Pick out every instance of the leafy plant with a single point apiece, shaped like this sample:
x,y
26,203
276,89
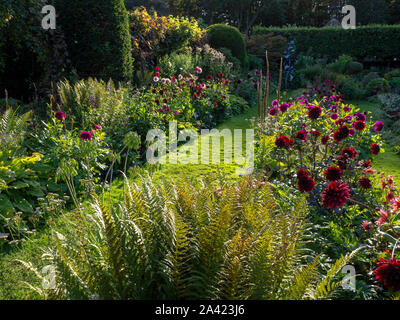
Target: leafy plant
x,y
185,240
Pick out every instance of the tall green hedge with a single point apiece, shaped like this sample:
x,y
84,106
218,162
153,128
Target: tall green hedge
x,y
97,35
30,57
380,41
224,36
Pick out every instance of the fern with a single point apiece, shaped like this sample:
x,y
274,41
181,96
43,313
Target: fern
x,y
185,240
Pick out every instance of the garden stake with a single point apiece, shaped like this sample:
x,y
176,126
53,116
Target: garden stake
x,y
266,98
6,92
278,93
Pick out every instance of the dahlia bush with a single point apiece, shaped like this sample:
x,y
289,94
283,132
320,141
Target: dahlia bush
x,y
323,147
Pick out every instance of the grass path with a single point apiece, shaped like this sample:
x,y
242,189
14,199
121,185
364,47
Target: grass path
x,y
387,162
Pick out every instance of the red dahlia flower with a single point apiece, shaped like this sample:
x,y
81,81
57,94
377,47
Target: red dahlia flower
x,y
325,139
283,142
302,173
302,135
60,115
364,183
375,149
349,153
342,162
388,273
367,225
359,125
314,112
335,195
306,184
85,135
333,173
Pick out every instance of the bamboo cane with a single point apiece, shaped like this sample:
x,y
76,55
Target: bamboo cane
x,y
266,93
280,81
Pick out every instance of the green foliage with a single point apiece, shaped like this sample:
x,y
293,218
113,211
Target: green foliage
x,y
154,36
350,88
91,102
377,86
224,36
30,57
341,64
381,41
369,77
97,35
392,74
275,44
354,67
204,240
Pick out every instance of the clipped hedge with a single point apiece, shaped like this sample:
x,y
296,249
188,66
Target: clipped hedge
x,y
97,35
224,36
380,41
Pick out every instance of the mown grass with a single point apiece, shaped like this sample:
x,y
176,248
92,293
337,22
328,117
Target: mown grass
x,y
387,162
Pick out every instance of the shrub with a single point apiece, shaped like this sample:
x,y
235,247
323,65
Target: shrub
x,y
372,40
369,77
24,179
163,242
175,63
29,57
255,62
154,36
341,64
350,88
275,44
354,67
392,74
224,36
377,86
97,35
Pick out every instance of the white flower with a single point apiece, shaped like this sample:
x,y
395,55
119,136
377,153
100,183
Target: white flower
x,y
156,79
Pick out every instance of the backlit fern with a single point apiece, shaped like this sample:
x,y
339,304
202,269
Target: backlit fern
x,y
187,240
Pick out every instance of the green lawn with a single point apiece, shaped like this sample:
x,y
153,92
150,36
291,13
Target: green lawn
x,y
387,162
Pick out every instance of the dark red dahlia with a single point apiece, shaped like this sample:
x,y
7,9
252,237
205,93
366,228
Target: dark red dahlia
x,y
301,135
333,173
375,149
366,164
85,135
342,133
325,139
316,133
335,195
302,173
388,273
349,153
60,115
359,125
220,75
364,183
314,112
306,184
209,77
342,162
282,142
